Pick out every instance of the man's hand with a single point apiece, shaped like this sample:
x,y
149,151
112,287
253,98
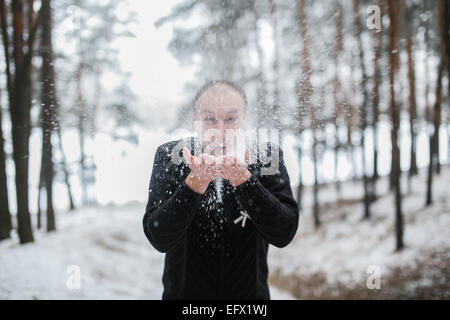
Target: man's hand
x,y
233,169
203,170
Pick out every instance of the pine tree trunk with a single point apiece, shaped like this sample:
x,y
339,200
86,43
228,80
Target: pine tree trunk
x,y
5,214
412,105
65,170
446,38
20,120
300,180
6,223
336,96
39,208
378,39
434,139
276,72
81,133
306,93
316,213
363,108
350,120
394,16
48,110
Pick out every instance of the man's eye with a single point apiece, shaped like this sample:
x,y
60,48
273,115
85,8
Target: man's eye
x,y
210,119
230,119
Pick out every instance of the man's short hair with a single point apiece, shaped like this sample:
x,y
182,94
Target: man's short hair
x,y
212,83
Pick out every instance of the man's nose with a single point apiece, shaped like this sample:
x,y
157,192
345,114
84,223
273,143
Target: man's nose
x,y
222,126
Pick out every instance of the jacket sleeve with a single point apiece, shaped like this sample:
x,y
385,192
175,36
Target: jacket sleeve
x,y
271,205
171,205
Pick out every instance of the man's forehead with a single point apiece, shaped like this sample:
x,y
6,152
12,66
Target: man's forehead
x,y
220,95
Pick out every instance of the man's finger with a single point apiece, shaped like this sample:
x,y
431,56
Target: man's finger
x,y
187,155
247,156
208,159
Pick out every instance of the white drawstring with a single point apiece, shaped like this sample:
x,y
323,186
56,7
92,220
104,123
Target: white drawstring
x,y
243,217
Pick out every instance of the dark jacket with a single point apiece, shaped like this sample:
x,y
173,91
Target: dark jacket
x,y
210,255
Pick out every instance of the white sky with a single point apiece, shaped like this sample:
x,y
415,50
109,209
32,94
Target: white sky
x,y
157,78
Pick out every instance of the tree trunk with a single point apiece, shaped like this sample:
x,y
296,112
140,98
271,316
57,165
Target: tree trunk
x,y
399,5
412,105
336,96
81,133
276,72
20,120
19,98
65,170
378,39
446,38
48,110
5,214
316,213
306,94
39,208
350,121
434,139
363,123
300,180
393,8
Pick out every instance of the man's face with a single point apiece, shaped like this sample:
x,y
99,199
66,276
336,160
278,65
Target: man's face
x,y
221,111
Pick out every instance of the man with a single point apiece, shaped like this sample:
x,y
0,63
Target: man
x,y
214,214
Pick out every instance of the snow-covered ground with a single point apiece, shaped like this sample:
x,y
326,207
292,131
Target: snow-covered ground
x,y
116,261
345,251
108,245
